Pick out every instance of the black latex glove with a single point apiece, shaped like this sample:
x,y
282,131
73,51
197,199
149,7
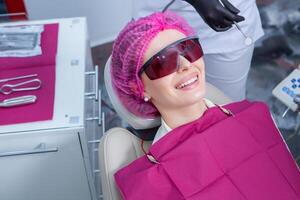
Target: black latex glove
x,y
218,17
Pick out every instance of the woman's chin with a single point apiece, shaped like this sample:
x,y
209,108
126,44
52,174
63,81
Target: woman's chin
x,y
192,98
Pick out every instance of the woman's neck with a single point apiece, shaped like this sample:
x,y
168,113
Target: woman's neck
x,y
183,115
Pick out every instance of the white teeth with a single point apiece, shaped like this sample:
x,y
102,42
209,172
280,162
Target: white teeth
x,y
182,85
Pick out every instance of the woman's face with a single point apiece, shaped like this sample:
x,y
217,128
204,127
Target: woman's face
x,y
183,87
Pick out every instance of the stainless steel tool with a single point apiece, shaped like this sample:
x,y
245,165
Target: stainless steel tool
x,y
248,40
32,84
18,101
17,78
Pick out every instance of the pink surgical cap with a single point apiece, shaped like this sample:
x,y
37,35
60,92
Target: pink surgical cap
x,y
127,58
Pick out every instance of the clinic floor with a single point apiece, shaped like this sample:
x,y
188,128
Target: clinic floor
x,y
275,56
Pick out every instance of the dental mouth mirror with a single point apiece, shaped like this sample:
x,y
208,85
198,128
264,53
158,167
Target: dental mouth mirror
x,y
248,41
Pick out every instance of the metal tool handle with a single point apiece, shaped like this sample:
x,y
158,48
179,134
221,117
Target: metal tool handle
x,y
95,94
9,88
99,108
18,77
99,117
296,100
103,122
22,100
41,148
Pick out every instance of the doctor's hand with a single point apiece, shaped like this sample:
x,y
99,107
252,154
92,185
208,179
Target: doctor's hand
x,y
218,17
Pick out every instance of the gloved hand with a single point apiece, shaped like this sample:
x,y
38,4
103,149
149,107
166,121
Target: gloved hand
x,y
218,17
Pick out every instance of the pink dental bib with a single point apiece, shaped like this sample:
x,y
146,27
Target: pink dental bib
x,y
217,157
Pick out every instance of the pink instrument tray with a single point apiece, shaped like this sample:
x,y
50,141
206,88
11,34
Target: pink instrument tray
x,y
42,65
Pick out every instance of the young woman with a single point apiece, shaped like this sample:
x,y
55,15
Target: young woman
x,y
200,151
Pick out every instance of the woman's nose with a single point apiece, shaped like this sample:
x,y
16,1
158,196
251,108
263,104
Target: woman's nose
x,y
184,64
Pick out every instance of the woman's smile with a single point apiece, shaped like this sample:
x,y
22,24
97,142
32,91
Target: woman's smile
x,y
188,84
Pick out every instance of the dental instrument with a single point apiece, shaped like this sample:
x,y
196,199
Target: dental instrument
x,y
168,5
17,78
18,101
285,112
9,88
248,40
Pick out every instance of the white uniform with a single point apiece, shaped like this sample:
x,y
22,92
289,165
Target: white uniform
x,y
227,58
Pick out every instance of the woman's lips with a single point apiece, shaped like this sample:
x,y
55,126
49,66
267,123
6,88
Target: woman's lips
x,y
188,82
190,86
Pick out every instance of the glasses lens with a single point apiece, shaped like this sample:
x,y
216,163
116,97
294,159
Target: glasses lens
x,y
191,50
166,61
163,64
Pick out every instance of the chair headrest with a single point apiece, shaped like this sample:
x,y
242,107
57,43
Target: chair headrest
x,y
135,121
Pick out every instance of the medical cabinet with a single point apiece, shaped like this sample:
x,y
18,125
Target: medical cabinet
x,y
56,159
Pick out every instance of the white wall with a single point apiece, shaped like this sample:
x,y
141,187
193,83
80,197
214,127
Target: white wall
x,y
105,18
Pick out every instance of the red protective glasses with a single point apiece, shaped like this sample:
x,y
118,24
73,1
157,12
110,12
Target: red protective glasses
x,y
166,61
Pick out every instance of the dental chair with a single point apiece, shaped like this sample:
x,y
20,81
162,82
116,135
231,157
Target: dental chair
x,y
120,146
